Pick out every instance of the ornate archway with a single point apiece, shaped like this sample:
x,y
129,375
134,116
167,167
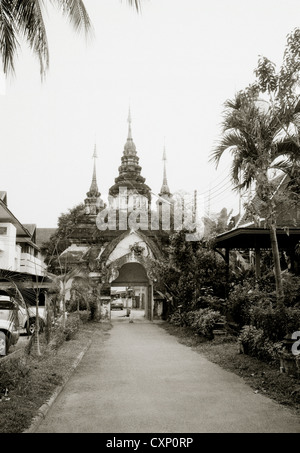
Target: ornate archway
x,y
128,263
133,275
131,271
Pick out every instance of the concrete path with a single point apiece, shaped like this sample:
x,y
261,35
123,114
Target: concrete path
x,y
141,380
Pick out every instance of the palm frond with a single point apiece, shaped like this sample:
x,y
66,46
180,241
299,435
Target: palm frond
x,y
296,119
231,141
288,147
283,165
8,35
17,287
236,168
30,23
233,104
135,3
249,175
77,14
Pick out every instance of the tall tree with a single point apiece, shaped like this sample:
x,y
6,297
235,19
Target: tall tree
x,y
59,241
261,130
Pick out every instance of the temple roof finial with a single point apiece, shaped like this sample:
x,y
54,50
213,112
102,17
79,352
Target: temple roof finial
x,y
95,155
94,192
129,148
165,188
129,125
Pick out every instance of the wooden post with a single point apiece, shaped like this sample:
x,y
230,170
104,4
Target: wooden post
x,y
276,262
227,270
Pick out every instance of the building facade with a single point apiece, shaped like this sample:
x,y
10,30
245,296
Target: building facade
x,y
18,249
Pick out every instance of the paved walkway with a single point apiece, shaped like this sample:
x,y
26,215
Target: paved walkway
x,y
141,380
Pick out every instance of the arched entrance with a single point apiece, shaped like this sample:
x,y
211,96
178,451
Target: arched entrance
x,y
133,277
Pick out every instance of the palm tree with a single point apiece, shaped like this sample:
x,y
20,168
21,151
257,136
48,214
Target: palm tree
x,y
255,135
63,283
23,19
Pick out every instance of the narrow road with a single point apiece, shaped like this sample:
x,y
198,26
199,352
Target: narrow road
x,y
141,380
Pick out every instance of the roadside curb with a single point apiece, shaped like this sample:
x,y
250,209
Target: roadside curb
x,y
42,411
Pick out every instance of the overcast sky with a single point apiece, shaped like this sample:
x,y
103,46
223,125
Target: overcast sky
x,y
175,64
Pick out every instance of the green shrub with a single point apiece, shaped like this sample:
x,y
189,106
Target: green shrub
x,y
73,305
254,343
263,325
204,320
238,305
178,318
60,334
12,372
72,326
207,299
251,339
84,316
242,299
275,323
291,288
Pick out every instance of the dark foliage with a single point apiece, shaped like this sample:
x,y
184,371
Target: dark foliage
x,y
188,275
59,241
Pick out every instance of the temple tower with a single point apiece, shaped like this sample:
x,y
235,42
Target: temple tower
x,y
93,202
165,202
130,190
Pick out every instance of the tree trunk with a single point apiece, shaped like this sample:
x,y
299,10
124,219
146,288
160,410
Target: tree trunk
x,y
37,326
48,318
64,309
277,268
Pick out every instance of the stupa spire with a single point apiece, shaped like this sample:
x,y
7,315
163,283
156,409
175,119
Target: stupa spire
x,y
129,125
129,148
94,192
130,170
165,187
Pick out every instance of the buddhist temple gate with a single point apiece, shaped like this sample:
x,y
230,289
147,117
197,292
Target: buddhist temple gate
x,y
118,251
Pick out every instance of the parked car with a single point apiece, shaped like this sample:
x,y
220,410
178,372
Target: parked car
x,y
27,317
9,323
116,304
